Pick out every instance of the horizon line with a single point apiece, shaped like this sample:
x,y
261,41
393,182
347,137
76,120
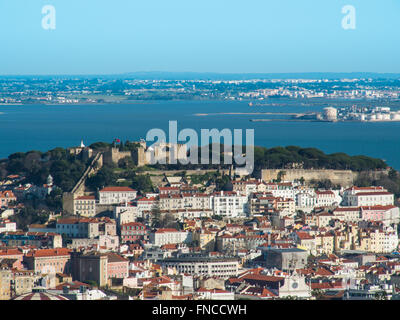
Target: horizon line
x,y
197,72
210,75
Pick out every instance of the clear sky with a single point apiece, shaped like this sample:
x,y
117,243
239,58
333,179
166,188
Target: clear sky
x,y
116,36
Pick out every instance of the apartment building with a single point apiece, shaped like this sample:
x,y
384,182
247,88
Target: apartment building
x,y
387,214
324,243
126,213
145,204
351,214
5,287
261,203
363,199
197,201
229,204
169,236
38,239
326,198
220,267
86,227
286,206
282,189
378,240
116,195
133,231
245,187
306,201
117,266
85,206
205,238
354,190
7,225
48,260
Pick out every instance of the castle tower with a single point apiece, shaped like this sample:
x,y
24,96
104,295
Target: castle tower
x,y
49,180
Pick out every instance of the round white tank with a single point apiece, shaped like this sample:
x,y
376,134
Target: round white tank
x,y
330,114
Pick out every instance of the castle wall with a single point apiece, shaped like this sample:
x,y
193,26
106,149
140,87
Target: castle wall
x,y
114,155
344,178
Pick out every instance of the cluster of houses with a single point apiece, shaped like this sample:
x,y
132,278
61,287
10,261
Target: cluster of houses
x,y
256,239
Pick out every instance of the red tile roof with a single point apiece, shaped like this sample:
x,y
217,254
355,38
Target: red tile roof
x,y
117,189
86,198
49,252
373,193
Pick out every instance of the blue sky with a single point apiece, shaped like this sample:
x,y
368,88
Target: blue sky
x,y
116,36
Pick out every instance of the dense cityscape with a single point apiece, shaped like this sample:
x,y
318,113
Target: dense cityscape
x,y
100,222
199,158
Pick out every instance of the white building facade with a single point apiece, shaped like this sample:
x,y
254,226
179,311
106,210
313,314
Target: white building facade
x,y
116,195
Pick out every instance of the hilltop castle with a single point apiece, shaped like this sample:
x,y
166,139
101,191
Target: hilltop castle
x,y
143,154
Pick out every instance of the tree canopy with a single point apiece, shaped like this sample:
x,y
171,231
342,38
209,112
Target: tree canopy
x,y
312,158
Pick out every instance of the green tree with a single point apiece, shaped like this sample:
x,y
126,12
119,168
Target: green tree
x,y
156,217
142,183
29,215
280,175
104,177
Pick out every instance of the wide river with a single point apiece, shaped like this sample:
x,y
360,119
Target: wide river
x,y
41,127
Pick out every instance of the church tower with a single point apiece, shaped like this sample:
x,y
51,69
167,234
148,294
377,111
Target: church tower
x,y
49,180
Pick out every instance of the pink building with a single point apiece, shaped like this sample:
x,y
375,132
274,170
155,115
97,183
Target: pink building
x,y
117,266
48,260
388,214
132,231
13,254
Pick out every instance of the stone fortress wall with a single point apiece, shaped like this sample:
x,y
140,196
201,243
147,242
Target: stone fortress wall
x,y
345,178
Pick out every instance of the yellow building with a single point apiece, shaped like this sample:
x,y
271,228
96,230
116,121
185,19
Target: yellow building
x,y
205,239
325,243
5,281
